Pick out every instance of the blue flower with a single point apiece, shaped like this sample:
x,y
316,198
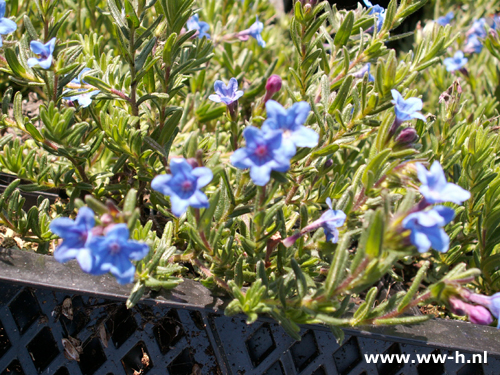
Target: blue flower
x,y
84,99
253,31
290,123
6,26
456,62
445,20
45,51
378,11
361,73
112,253
436,189
226,94
473,44
183,185
406,109
426,228
264,152
75,234
478,28
194,23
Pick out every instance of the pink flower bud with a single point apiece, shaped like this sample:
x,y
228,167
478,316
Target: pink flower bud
x,y
192,162
273,83
407,136
480,315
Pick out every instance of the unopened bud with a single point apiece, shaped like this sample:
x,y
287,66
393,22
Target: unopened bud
x,y
480,315
273,86
407,136
274,83
328,163
192,162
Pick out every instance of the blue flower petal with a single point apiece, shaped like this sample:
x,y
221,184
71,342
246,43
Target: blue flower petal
x,y
7,26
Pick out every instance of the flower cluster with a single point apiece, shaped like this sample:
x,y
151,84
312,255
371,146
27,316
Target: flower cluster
x,y
98,254
271,148
426,225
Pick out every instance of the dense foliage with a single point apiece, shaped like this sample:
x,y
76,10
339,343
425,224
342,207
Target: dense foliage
x,y
292,160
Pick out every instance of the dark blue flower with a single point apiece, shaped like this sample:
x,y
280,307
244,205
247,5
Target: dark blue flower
x,y
45,51
183,185
361,73
473,44
85,98
436,189
201,27
406,109
445,20
253,31
74,234
427,228
478,28
264,152
7,26
113,252
456,62
378,11
290,123
226,94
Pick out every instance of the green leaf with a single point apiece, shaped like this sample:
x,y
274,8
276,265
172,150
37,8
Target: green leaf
x,y
325,151
376,235
344,31
338,268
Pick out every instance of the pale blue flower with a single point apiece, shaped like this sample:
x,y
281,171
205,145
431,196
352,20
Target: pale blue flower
x,y
436,189
361,73
406,109
456,62
201,27
427,228
264,152
478,28
445,20
253,31
85,99
330,220
290,122
473,44
7,26
113,252
45,51
378,11
226,94
183,185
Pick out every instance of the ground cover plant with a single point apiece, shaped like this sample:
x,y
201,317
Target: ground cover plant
x,y
293,162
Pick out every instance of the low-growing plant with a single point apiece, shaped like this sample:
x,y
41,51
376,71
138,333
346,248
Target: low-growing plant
x,y
293,161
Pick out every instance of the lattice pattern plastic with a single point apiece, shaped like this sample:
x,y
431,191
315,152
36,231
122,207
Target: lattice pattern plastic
x,y
42,333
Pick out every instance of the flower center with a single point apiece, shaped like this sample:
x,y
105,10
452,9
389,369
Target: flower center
x,y
261,151
114,248
186,185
